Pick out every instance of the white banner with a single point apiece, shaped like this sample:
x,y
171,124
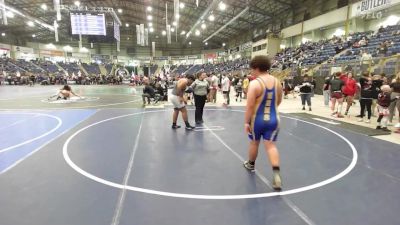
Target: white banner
x,y
142,34
146,37
21,49
153,48
138,34
368,6
5,46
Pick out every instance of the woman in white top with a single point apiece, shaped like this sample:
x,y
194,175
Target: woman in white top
x,y
226,86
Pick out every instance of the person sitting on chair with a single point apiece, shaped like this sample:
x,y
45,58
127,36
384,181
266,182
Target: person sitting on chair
x,y
148,92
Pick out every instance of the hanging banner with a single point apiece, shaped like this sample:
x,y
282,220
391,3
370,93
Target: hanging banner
x,y
146,37
5,47
160,58
178,57
153,48
51,53
142,34
194,57
117,33
222,54
138,34
210,55
368,6
22,49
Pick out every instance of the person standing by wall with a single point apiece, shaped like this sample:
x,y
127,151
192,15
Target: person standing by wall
x,y
395,85
200,87
306,88
349,90
326,91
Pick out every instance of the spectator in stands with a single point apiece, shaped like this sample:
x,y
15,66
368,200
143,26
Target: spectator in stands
x,y
366,100
382,49
336,85
381,29
395,85
200,88
306,88
366,61
349,90
363,42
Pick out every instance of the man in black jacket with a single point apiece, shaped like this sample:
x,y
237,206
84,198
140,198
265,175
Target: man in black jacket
x,y
148,92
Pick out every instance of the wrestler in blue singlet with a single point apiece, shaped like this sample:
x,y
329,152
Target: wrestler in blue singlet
x,y
265,121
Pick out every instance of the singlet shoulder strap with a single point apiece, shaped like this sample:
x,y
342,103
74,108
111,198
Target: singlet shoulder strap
x,y
262,82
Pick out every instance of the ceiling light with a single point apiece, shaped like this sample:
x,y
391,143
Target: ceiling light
x,y
30,23
119,10
33,35
206,43
190,43
150,24
181,5
183,32
3,34
177,16
203,26
149,9
197,33
77,3
10,14
211,17
174,23
150,17
223,44
151,30
127,25
222,6
43,6
172,29
163,32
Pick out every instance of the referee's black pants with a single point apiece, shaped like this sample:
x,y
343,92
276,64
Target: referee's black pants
x,y
199,101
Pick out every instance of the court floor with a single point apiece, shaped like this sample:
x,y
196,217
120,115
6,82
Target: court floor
x,y
110,161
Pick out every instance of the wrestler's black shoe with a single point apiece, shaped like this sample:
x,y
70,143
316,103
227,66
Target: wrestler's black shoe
x,y
189,127
250,167
176,127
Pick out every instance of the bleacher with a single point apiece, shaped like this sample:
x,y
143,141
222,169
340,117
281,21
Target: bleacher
x,y
47,66
70,67
92,69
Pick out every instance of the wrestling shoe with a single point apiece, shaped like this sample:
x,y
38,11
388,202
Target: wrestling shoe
x,y
189,127
249,166
277,181
176,127
379,128
386,129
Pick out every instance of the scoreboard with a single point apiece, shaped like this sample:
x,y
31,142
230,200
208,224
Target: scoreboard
x,y
88,24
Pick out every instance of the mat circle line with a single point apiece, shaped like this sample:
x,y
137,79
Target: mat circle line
x,y
208,197
59,124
